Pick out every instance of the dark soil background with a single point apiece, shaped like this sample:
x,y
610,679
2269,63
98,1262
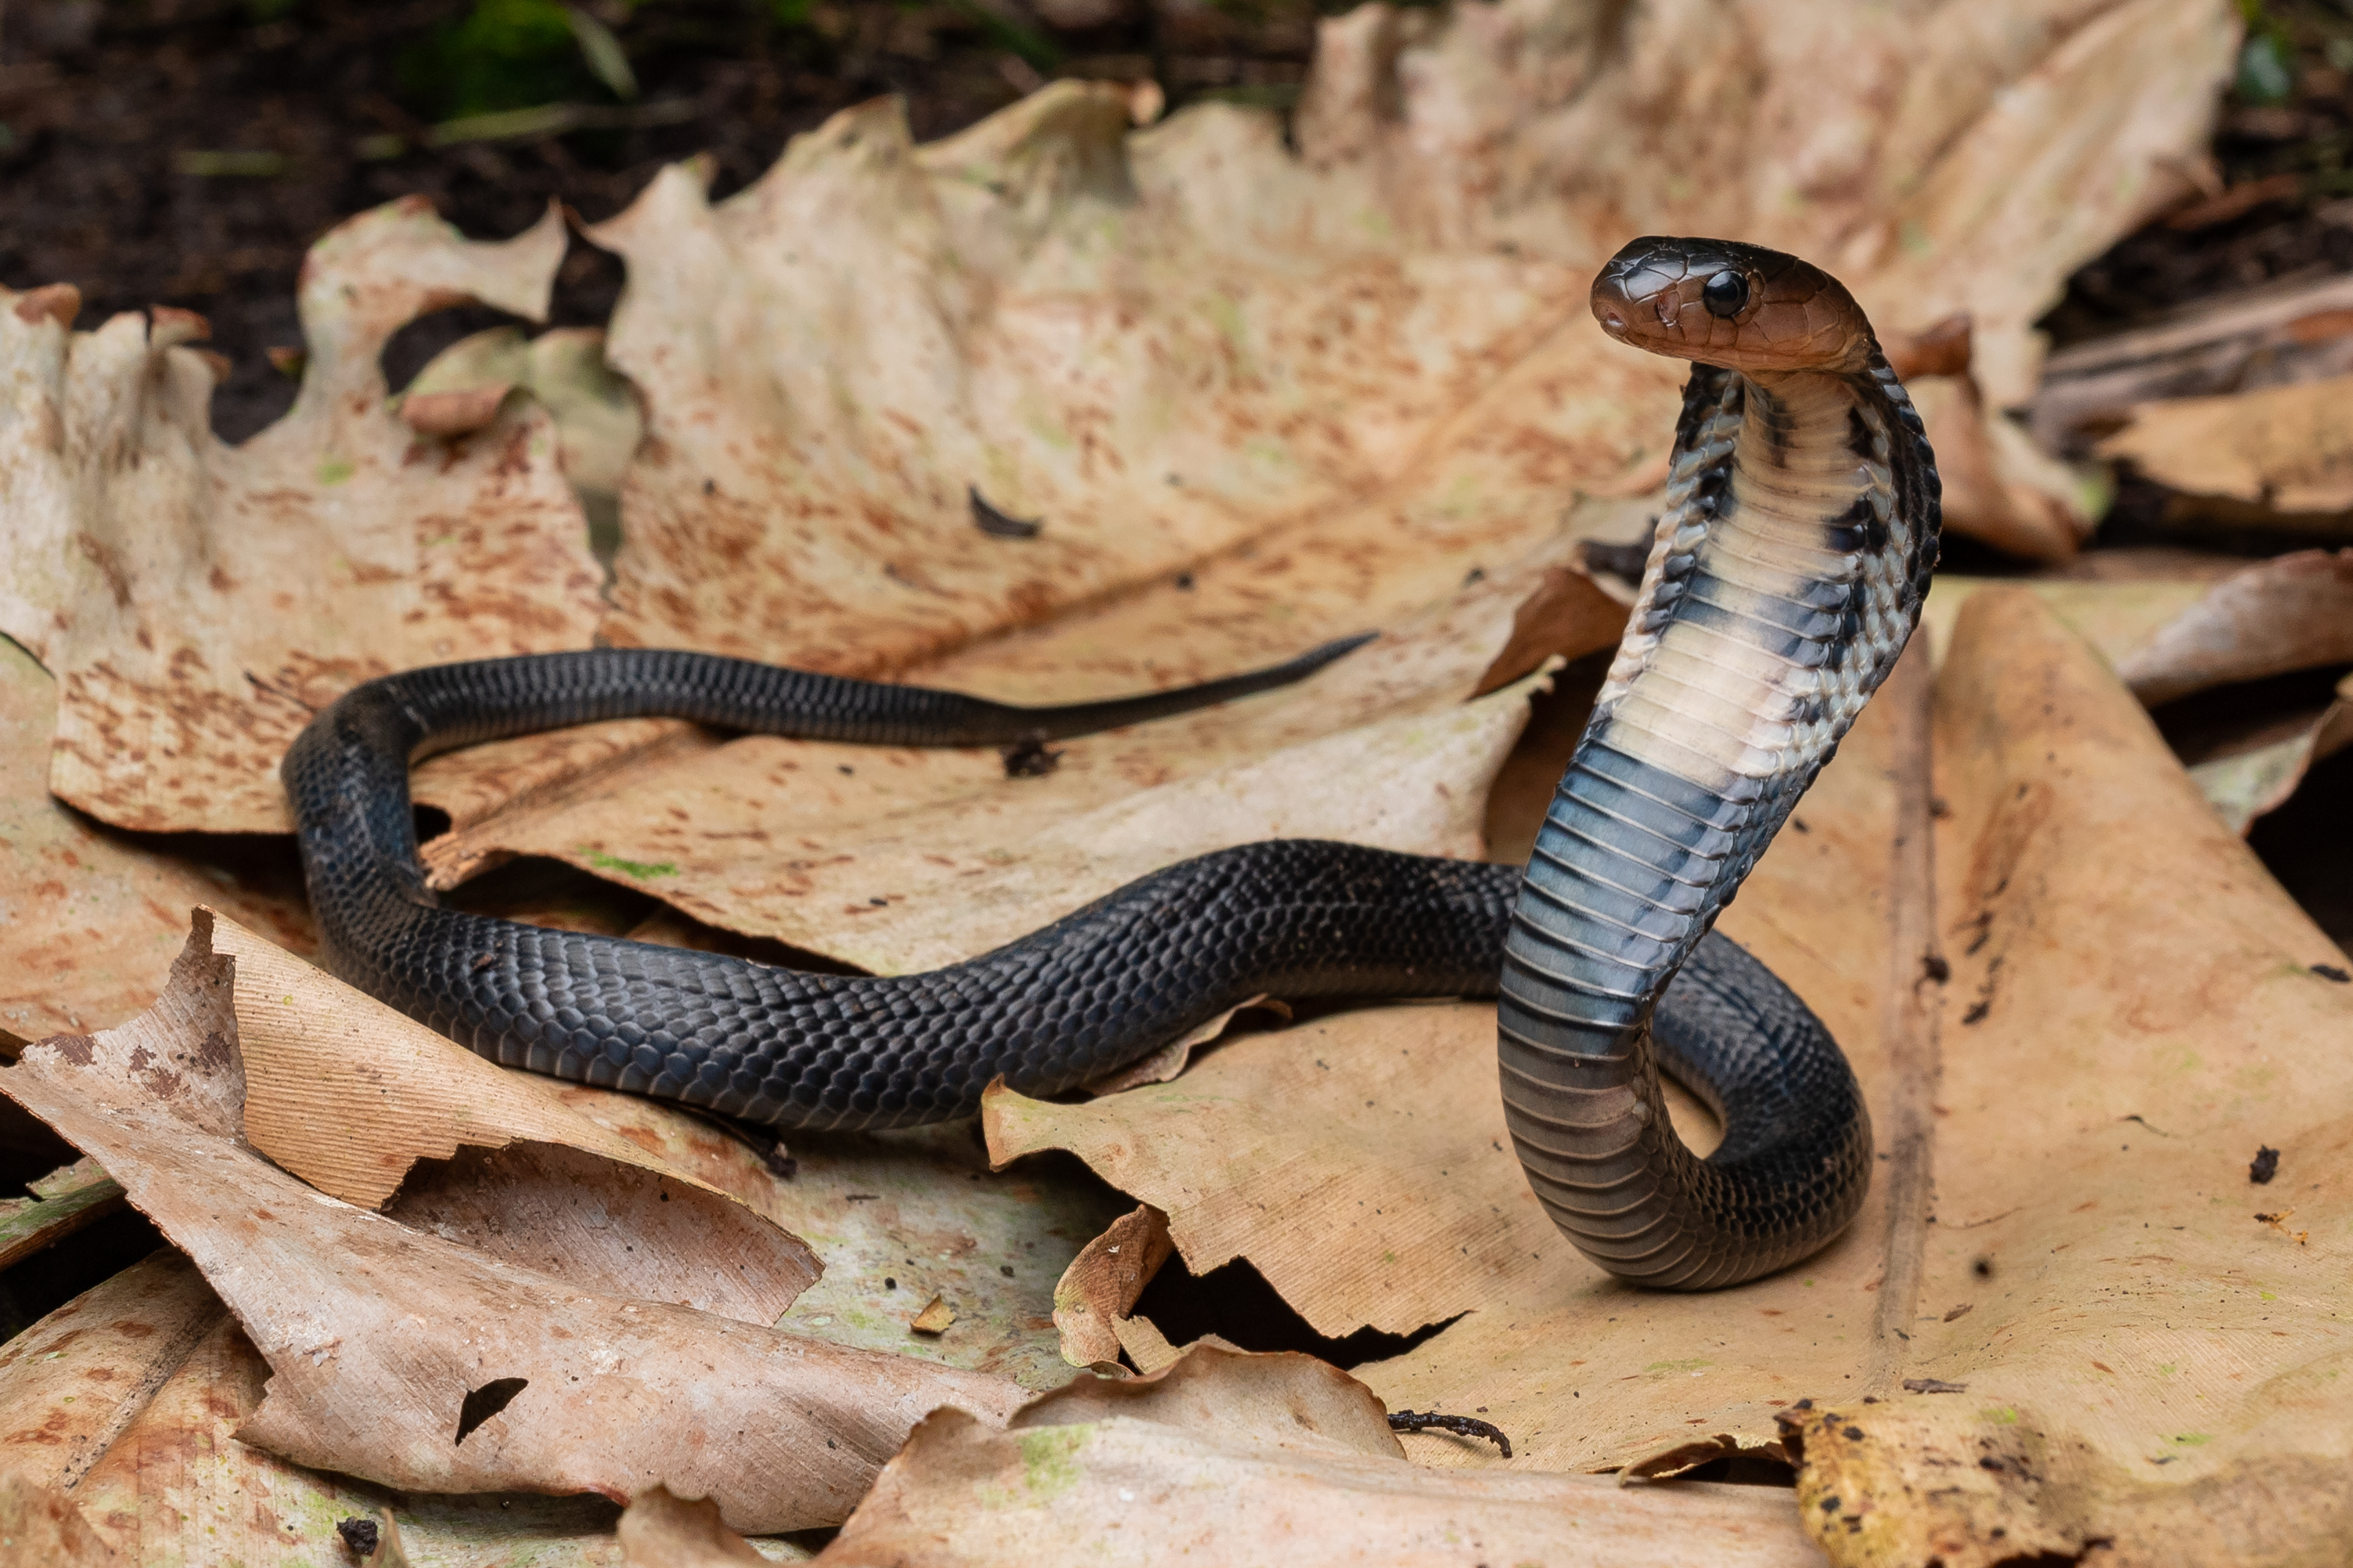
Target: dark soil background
x,y
187,151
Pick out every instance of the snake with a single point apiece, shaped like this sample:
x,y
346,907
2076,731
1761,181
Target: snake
x,y
1786,571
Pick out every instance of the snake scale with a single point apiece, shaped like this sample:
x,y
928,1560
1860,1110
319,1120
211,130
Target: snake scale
x,y
1787,572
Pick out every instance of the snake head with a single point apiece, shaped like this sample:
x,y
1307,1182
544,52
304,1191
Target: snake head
x,y
1740,307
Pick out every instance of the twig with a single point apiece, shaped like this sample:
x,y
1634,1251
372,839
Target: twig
x,y
1910,1027
1460,1426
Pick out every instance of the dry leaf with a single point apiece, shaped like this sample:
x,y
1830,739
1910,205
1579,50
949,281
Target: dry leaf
x,y
936,1318
596,412
583,1391
2294,612
1236,1458
897,1217
2117,618
92,918
123,1404
40,1528
664,1531
1162,342
197,602
61,1203
351,1096
2285,451
1998,488
1929,1479
1102,1282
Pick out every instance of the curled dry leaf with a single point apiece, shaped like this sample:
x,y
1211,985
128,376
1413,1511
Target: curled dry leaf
x,y
1102,1282
2292,613
601,1392
377,1109
198,602
1302,1469
93,919
660,1531
2295,612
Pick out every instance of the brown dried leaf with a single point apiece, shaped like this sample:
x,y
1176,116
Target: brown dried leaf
x,y
379,1110
199,602
1116,331
1103,1281
125,1401
596,412
609,1394
897,1217
2294,612
61,1203
74,1382
1299,1460
664,1531
2286,450
1929,1479
40,1528
94,918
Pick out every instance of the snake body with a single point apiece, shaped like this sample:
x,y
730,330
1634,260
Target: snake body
x,y
1787,572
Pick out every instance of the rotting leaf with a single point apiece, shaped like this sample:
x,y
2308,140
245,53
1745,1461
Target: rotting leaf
x,y
1304,1470
625,1393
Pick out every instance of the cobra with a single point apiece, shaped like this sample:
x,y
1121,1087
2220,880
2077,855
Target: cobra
x,y
1787,572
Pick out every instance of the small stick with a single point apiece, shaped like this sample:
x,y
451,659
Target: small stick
x,y
1460,1426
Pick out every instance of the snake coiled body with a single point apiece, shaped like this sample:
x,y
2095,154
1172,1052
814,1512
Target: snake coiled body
x,y
1787,574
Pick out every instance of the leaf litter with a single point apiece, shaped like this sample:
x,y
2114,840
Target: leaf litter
x,y
1092,314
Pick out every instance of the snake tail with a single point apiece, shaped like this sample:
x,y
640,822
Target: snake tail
x,y
1786,574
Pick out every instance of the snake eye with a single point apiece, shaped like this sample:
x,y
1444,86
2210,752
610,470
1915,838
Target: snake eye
x,y
1725,293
